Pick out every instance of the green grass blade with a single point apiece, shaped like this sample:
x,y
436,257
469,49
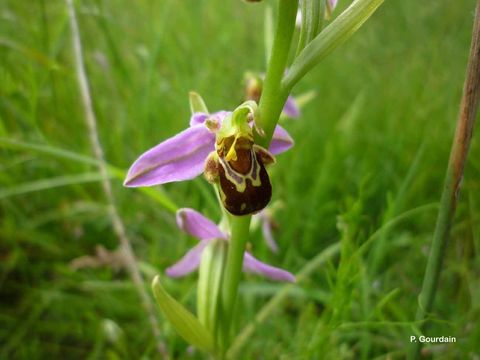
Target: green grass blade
x,y
46,184
339,31
155,193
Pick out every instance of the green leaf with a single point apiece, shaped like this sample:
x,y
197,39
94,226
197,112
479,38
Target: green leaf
x,y
312,21
196,103
313,16
183,321
210,282
302,38
339,31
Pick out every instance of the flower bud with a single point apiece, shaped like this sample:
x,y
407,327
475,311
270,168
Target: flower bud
x,y
253,87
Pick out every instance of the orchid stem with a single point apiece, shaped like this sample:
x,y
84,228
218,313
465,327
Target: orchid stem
x,y
240,226
273,97
271,104
456,165
270,107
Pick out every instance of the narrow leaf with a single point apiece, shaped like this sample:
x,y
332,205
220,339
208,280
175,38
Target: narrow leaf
x,y
302,38
196,103
340,30
313,19
209,283
183,321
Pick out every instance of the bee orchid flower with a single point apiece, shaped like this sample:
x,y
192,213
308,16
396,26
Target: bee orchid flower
x,y
182,157
196,225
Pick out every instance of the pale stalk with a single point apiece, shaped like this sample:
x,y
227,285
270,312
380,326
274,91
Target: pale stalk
x,y
453,178
117,223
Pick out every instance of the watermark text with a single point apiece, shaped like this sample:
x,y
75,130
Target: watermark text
x,y
433,339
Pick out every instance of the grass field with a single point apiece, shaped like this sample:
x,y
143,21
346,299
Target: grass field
x,y
361,186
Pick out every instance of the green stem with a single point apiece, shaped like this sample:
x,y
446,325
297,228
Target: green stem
x,y
240,226
449,199
273,98
271,105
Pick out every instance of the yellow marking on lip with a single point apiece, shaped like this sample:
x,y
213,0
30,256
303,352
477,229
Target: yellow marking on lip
x,y
239,187
243,185
232,154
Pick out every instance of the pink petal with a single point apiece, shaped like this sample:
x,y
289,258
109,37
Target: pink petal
x,y
198,118
268,236
332,4
291,108
250,264
189,262
197,225
281,141
178,158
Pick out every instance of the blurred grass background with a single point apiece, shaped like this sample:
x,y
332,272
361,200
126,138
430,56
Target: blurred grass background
x,y
370,156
